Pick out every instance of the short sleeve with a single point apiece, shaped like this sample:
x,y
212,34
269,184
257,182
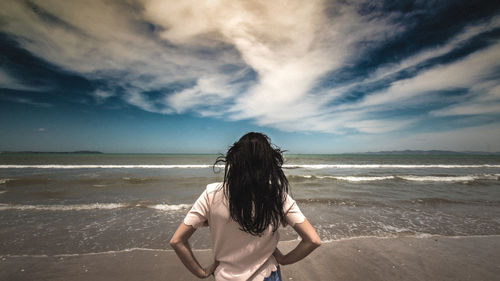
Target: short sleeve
x,y
293,214
198,215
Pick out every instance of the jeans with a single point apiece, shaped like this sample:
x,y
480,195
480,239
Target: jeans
x,y
275,275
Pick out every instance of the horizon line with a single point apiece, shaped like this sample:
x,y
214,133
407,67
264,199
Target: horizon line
x,y
405,151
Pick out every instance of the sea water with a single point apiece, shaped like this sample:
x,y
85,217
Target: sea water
x,y
53,204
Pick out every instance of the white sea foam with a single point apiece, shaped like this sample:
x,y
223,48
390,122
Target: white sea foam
x,y
3,191
350,178
73,207
464,178
194,166
383,166
442,178
289,166
2,181
92,206
393,229
424,235
358,179
95,253
166,207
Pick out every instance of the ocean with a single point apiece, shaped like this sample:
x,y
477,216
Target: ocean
x,y
71,204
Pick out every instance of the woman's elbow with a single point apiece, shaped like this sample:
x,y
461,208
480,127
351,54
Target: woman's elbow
x,y
174,243
314,241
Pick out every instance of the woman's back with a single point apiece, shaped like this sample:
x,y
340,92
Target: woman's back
x,y
241,256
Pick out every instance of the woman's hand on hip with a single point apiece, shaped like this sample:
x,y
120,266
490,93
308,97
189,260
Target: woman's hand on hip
x,y
278,256
211,269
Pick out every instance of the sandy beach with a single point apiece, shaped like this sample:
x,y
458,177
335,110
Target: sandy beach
x,y
430,258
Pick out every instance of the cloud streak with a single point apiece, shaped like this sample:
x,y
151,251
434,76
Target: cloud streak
x,y
7,81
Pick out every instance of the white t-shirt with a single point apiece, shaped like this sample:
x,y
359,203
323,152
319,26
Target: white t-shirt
x,y
241,256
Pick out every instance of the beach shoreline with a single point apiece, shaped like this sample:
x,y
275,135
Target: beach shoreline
x,y
403,258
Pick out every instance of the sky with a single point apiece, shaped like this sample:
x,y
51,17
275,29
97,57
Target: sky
x,y
190,76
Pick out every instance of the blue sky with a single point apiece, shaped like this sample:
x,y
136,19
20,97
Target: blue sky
x,y
193,76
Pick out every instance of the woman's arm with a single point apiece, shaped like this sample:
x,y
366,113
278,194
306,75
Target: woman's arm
x,y
310,241
182,248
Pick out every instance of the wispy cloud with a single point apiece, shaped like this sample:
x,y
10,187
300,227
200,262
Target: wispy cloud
x,y
462,74
378,126
25,100
102,95
7,81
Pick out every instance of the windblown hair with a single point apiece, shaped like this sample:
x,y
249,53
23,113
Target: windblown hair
x,y
254,183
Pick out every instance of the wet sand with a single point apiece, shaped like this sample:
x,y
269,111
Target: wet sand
x,y
431,258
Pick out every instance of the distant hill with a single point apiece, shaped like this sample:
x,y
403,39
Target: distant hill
x,y
430,152
54,152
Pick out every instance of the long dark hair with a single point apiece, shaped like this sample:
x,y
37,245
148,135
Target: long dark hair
x,y
254,183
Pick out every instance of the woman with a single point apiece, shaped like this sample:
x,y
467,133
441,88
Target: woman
x,y
244,213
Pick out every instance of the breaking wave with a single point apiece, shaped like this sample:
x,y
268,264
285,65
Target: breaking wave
x,y
2,181
104,166
465,178
398,166
92,206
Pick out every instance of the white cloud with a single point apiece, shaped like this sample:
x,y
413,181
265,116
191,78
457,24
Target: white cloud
x,y
463,74
101,95
148,45
469,109
484,98
9,82
210,90
456,41
278,39
283,94
25,100
134,97
378,126
105,40
288,43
